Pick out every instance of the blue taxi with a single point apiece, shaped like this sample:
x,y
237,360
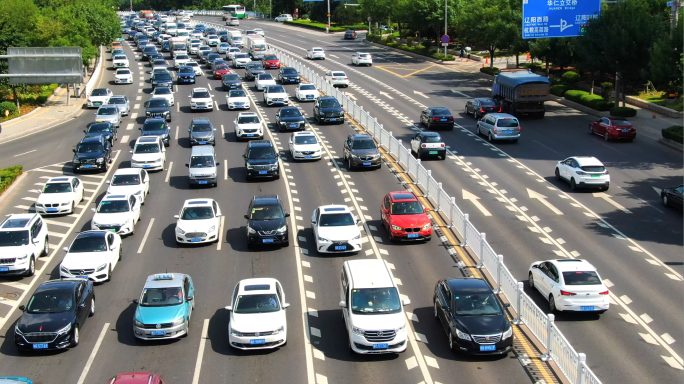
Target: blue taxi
x,y
164,307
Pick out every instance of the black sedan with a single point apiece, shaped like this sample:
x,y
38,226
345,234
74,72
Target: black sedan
x,y
480,107
54,315
290,118
106,129
231,81
350,35
437,117
672,196
288,75
473,317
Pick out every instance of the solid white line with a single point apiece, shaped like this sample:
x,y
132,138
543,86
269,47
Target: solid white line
x,y
176,133
225,170
147,232
26,153
92,354
223,133
168,172
129,127
220,234
200,353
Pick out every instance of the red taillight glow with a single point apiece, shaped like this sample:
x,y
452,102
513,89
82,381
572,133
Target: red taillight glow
x,y
435,118
499,109
442,145
423,145
450,118
565,293
604,293
482,110
519,128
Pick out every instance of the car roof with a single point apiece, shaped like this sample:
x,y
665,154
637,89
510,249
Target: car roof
x,y
243,114
200,89
117,97
469,284
327,98
202,150
60,179
62,283
164,280
148,139
329,209
304,133
403,196
257,286
587,160
571,265
201,120
198,203
501,116
17,221
317,48
154,120
133,378
369,273
91,139
265,200
127,171
429,133
91,234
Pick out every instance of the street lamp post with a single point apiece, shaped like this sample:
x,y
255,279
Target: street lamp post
x,y
445,27
327,27
270,9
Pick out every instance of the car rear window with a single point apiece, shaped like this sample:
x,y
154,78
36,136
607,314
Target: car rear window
x,y
593,168
621,123
339,74
506,123
440,111
432,139
487,103
581,278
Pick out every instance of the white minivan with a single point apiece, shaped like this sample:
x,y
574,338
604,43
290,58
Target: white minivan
x,y
235,39
372,307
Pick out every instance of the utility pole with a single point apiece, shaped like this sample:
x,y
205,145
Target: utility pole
x,y
327,27
674,16
255,9
270,9
445,27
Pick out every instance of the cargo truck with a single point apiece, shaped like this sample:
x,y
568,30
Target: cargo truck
x,y
256,47
146,15
521,92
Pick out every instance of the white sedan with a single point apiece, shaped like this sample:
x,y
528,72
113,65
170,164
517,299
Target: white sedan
x,y
283,17
149,153
130,181
306,91
120,61
276,95
118,213
259,31
264,80
198,222
60,195
337,78
92,255
232,51
360,58
257,315
164,93
583,172
196,67
180,60
304,146
570,285
237,99
335,229
315,53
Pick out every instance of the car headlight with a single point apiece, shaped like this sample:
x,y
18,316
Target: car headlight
x,y
249,167
279,330
159,159
507,333
403,327
64,330
274,167
101,267
100,160
282,229
65,204
324,240
63,269
23,257
138,193
95,224
250,230
76,161
427,226
138,323
178,321
213,227
17,330
462,335
358,331
235,333
354,156
396,227
357,237
180,231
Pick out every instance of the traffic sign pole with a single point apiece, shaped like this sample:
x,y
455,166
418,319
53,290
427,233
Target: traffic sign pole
x,y
327,27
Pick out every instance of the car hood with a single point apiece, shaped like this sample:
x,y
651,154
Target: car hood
x,y
288,75
379,322
17,251
236,81
306,147
482,325
257,322
166,314
331,109
107,135
292,119
201,171
202,135
255,71
124,189
410,221
243,59
146,156
85,260
242,100
266,225
365,152
247,126
339,233
198,100
44,322
153,133
111,218
52,198
157,109
187,74
196,225
262,161
101,118
281,95
94,155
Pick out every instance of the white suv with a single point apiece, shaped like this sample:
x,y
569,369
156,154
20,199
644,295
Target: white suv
x,y
149,153
23,239
248,126
201,99
336,229
364,58
583,172
198,222
276,95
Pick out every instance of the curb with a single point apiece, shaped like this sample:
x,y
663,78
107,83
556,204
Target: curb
x,y
14,184
20,118
672,144
416,55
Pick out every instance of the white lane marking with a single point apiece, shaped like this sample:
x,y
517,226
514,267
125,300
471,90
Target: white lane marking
x,y
411,363
543,199
310,295
474,199
147,232
138,98
387,95
57,223
134,116
317,353
673,363
648,338
220,234
225,170
25,153
223,132
136,106
178,107
320,379
176,133
168,172
308,278
460,93
667,338
91,358
607,197
200,352
421,94
129,127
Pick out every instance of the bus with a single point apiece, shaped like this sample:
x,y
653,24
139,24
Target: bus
x,y
233,11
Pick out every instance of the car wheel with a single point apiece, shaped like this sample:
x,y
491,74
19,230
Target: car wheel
x,y
476,115
71,211
32,267
349,164
665,201
489,137
606,137
109,272
435,311
573,185
557,173
75,336
46,247
120,253
187,328
530,279
451,341
286,244
552,304
92,307
591,130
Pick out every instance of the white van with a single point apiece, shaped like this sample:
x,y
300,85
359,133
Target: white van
x,y
372,307
235,39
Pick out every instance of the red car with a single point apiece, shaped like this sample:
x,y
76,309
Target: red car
x,y
136,378
271,61
404,217
613,129
221,70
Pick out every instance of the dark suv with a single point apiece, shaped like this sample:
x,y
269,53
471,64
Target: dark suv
x,y
149,51
106,129
162,79
327,109
158,107
93,152
201,132
252,70
266,222
361,151
261,160
156,127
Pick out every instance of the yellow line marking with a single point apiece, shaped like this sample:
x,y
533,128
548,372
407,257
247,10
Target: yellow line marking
x,y
420,70
387,70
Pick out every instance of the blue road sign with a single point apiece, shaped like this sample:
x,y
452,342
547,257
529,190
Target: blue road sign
x,y
557,18
445,39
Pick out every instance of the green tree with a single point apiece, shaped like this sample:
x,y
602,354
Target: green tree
x,y
17,22
666,56
489,24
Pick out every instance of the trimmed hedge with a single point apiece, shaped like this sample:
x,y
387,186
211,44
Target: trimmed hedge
x,y
7,106
419,49
623,112
321,26
585,98
571,78
490,70
558,90
674,133
440,56
8,175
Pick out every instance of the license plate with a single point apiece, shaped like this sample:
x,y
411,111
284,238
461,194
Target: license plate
x,y
147,166
203,182
263,172
508,131
487,347
625,130
81,277
195,240
333,119
201,107
257,341
293,125
443,120
87,166
309,96
202,142
40,346
97,103
4,269
412,235
307,156
381,346
595,175
52,209
433,152
267,240
367,163
249,135
587,308
158,333
340,247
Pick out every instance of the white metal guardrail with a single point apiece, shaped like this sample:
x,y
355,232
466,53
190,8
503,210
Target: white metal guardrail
x,y
570,362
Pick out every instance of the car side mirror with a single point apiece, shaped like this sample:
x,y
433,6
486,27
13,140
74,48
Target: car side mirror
x,y
229,308
214,129
285,305
189,298
84,131
22,308
313,222
287,214
135,301
535,267
93,209
246,217
343,304
358,220
406,301
146,104
139,128
108,182
73,150
187,165
82,305
66,249
507,305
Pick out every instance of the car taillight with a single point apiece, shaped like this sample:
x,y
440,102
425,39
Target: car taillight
x,y
482,109
519,128
565,293
604,293
450,118
423,145
442,145
499,109
345,78
435,118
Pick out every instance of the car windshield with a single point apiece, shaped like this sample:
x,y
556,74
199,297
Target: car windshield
x,y
161,297
89,148
125,180
248,119
270,57
13,238
581,278
204,48
254,66
260,153
259,303
162,77
154,126
231,76
289,112
329,103
200,95
158,104
363,144
440,111
432,139
507,123
192,64
305,139
107,111
364,55
117,100
119,57
186,70
51,301
123,72
197,213
621,123
307,87
336,220
201,127
99,92
57,188
406,208
265,76
477,305
88,244
267,212
241,56
201,161
375,301
594,168
289,71
317,49
221,67
162,91
159,62
146,148
99,127
113,206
